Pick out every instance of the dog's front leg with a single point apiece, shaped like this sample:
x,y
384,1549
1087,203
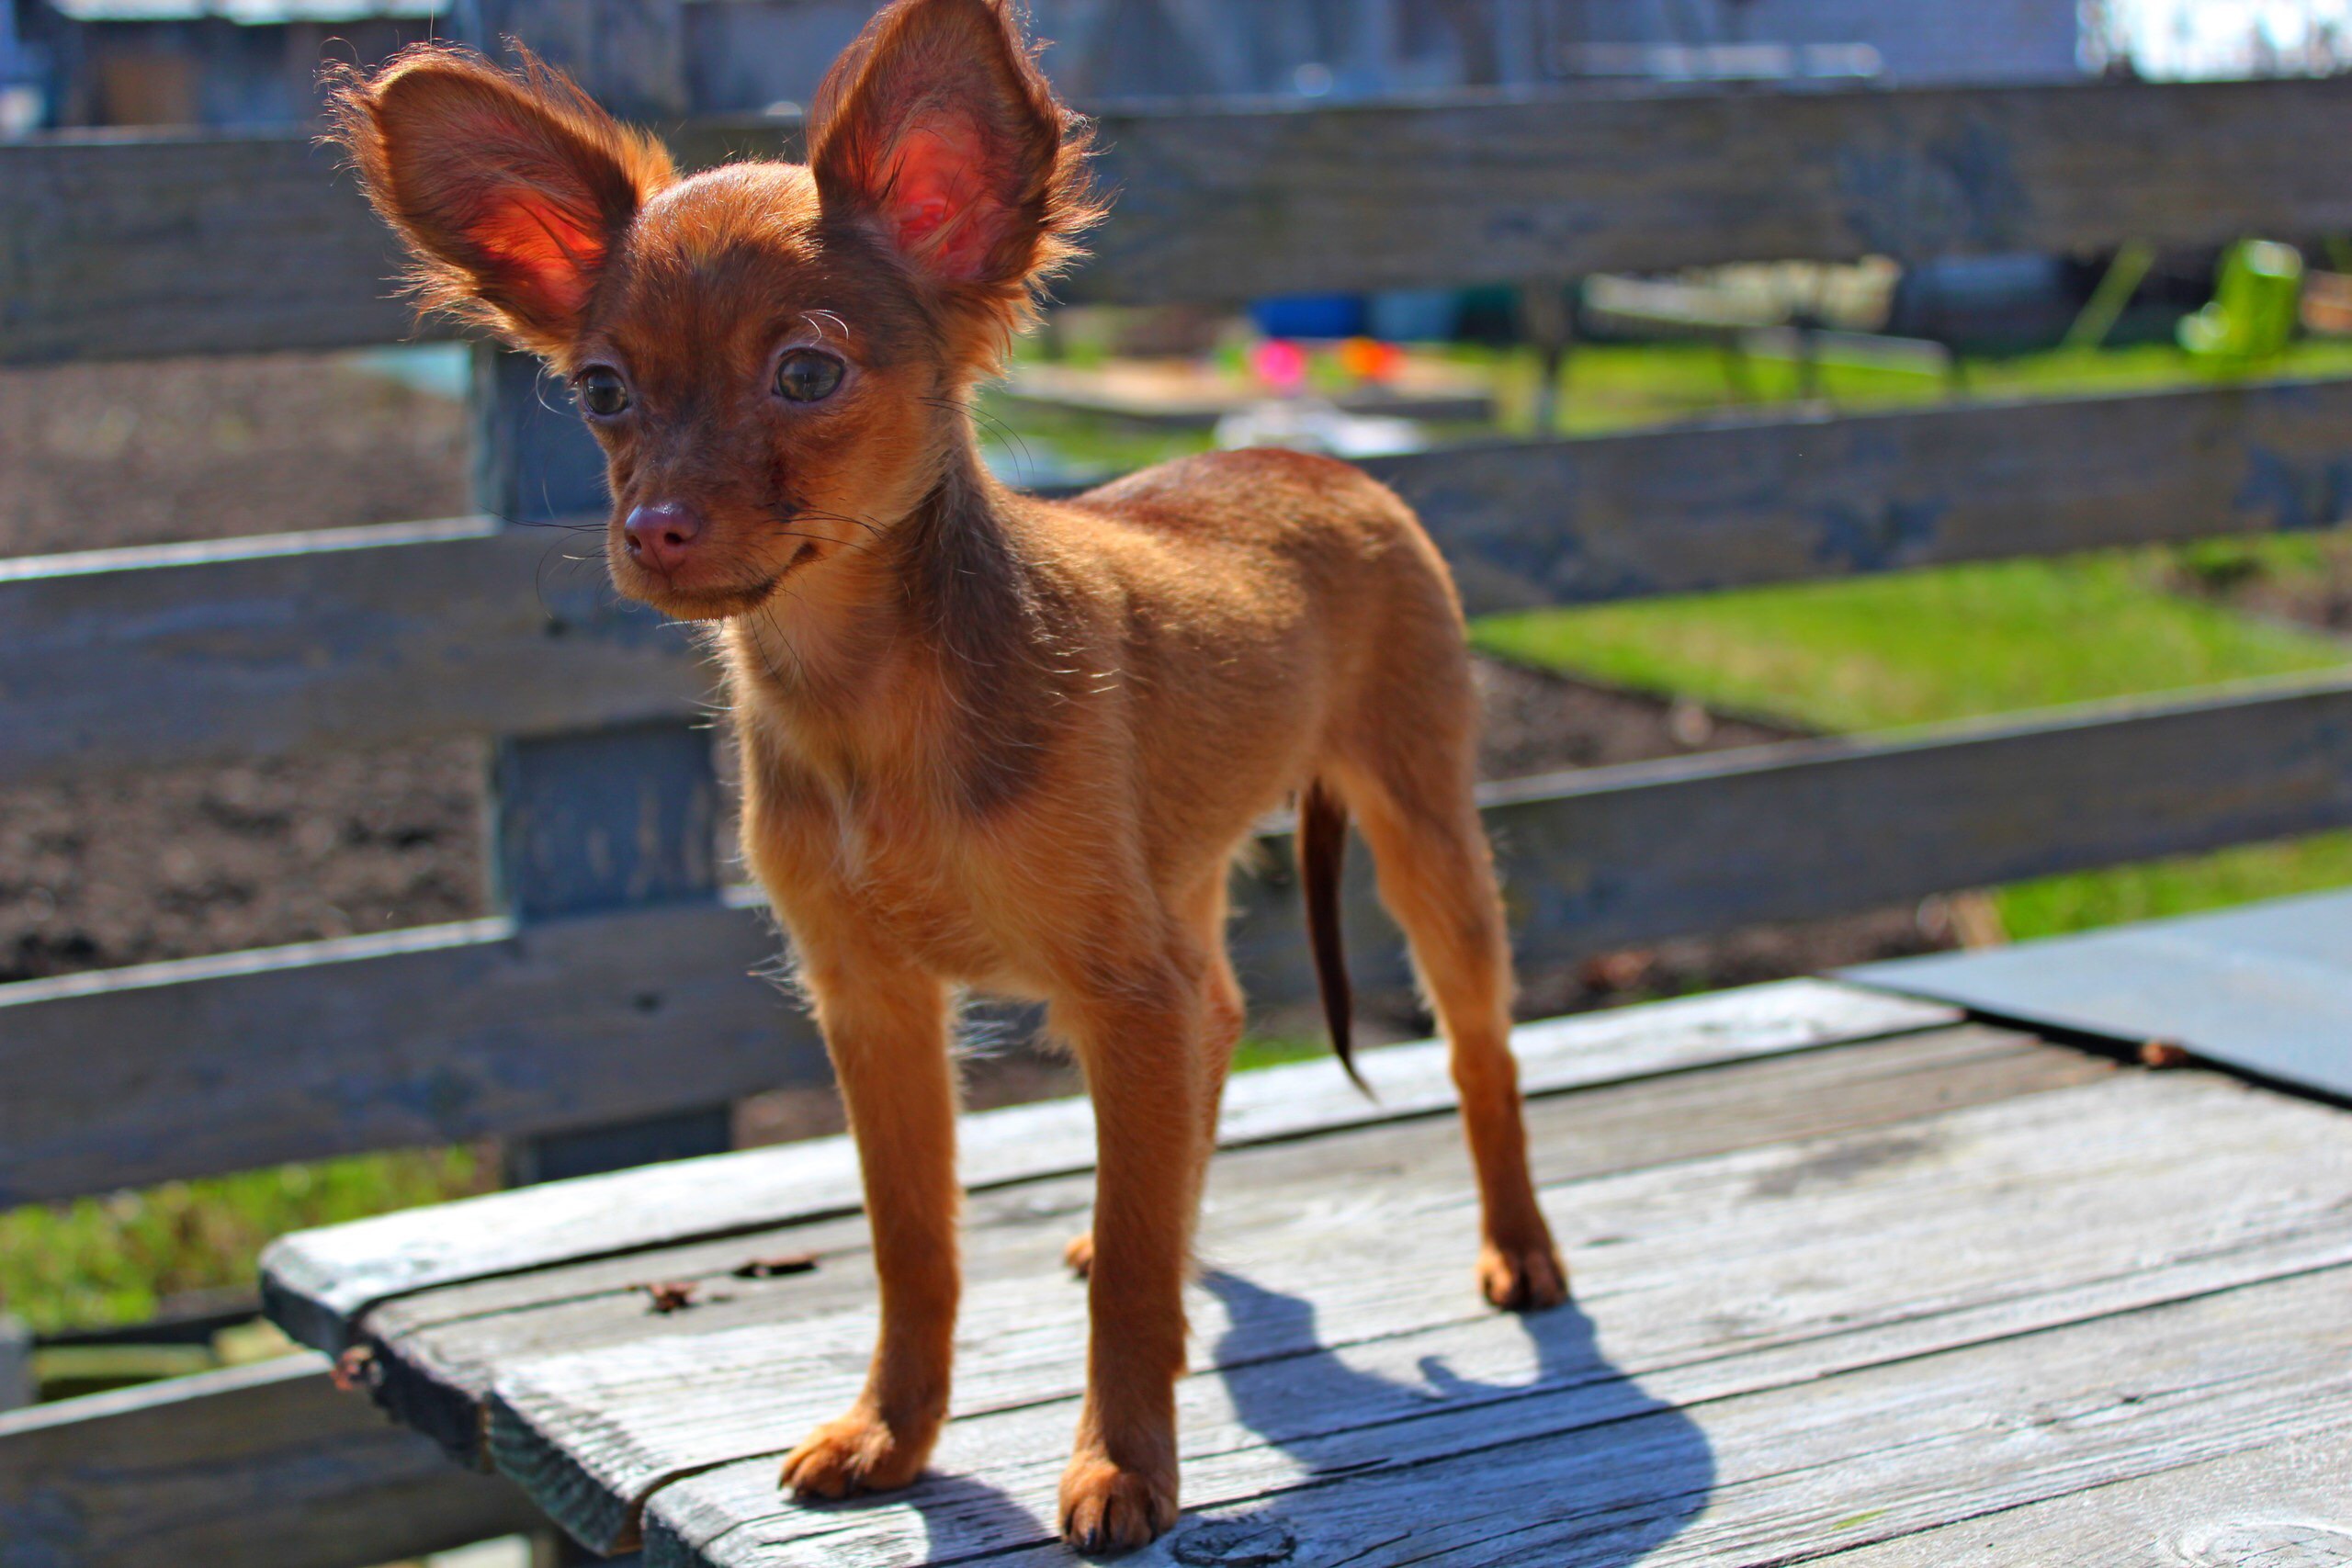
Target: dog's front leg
x,y
1145,1073
887,1030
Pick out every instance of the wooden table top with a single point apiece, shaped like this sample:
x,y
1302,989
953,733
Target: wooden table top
x,y
1858,1280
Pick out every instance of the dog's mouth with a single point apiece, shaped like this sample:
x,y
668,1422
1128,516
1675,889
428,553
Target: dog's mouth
x,y
717,603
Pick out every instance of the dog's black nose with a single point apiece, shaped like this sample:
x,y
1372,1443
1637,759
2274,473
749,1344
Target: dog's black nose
x,y
659,537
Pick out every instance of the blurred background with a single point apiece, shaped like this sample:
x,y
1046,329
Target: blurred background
x,y
130,868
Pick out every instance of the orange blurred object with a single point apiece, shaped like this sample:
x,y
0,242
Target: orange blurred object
x,y
1369,360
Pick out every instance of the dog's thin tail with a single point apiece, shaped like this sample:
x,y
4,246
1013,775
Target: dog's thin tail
x,y
1322,849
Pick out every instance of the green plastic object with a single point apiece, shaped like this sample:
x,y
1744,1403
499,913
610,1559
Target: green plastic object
x,y
2252,315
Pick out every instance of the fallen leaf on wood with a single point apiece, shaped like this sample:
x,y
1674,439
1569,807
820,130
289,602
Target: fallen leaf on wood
x,y
671,1295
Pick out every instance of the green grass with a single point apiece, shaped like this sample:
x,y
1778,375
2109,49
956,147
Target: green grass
x,y
1269,1051
115,1259
1609,386
1916,648
2242,876
1930,647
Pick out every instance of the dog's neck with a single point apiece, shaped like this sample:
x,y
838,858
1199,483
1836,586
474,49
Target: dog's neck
x,y
905,651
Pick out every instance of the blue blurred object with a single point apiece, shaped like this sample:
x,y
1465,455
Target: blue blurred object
x,y
1310,315
444,369
1415,315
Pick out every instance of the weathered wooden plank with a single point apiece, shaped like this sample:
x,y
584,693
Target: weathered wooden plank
x,y
263,1463
17,1384
1234,205
1762,1270
587,1432
1632,1472
1591,861
209,243
285,644
121,245
426,1036
280,645
1361,1422
2283,1503
439,1350
1753,501
317,1283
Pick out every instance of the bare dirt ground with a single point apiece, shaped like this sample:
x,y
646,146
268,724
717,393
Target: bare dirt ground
x,y
133,868
2317,595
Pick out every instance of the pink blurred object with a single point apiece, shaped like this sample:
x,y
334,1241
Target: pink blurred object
x,y
1279,364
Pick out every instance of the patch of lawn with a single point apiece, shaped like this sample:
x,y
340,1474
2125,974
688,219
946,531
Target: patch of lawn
x,y
1916,648
1929,647
1267,1051
114,1260
1609,386
2243,875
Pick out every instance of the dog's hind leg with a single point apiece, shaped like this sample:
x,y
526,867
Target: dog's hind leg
x,y
1413,802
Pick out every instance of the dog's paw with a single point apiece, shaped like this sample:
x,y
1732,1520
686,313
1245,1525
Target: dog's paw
x,y
1079,1255
1106,1509
1522,1278
858,1453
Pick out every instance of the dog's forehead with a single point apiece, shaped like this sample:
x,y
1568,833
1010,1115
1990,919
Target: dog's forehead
x,y
740,222
715,258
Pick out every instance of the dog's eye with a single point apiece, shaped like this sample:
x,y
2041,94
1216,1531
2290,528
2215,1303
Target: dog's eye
x,y
806,376
603,392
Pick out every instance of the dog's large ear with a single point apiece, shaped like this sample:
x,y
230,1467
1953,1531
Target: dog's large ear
x,y
937,130
510,188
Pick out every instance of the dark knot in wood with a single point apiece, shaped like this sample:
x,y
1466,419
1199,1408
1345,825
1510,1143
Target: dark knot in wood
x,y
1234,1543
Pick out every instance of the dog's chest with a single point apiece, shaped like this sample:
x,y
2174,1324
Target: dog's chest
x,y
934,885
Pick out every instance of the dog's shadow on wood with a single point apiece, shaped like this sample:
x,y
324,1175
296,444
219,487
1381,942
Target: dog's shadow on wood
x,y
1573,1465
1570,1464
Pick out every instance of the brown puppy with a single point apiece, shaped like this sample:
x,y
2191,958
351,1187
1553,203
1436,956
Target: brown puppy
x,y
987,739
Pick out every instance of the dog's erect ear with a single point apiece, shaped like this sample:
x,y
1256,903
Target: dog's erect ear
x,y
510,188
937,128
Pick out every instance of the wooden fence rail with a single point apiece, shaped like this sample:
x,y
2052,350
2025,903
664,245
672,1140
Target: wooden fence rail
x,y
264,1464
251,647
461,1031
231,244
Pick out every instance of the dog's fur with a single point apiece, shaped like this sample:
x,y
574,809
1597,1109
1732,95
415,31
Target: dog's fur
x,y
988,741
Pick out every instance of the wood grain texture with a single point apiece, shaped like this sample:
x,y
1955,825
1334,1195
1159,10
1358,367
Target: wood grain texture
x,y
17,1383
125,246
1754,500
142,246
1637,1473
430,1036
506,1038
439,1350
1235,205
2281,1504
254,646
256,1464
317,1283
274,645
1340,1349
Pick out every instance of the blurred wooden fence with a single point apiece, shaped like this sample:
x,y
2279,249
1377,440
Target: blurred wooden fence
x,y
606,1015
